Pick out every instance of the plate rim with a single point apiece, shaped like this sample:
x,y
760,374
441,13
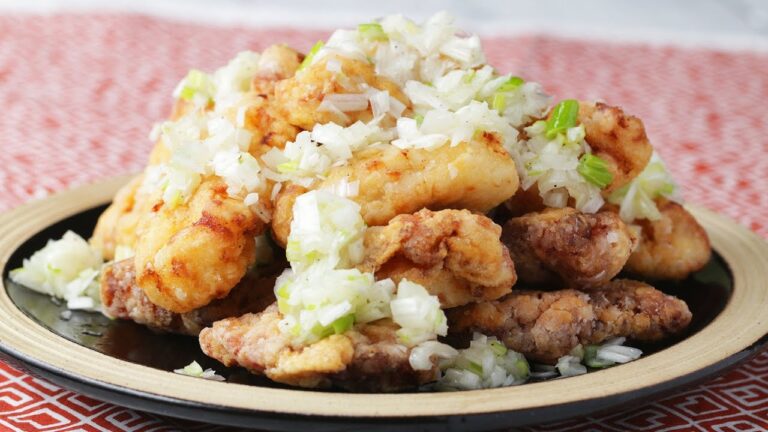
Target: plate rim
x,y
745,253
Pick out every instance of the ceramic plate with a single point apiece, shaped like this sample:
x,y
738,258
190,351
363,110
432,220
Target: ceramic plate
x,y
125,363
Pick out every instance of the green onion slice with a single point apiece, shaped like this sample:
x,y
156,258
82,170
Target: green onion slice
x,y
499,102
512,84
498,348
563,117
594,170
372,31
591,360
311,54
475,368
343,324
196,81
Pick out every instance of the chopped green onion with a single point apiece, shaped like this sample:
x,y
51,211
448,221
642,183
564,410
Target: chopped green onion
x,y
308,59
591,360
195,82
594,170
498,348
343,324
469,76
475,368
372,31
288,167
512,84
419,119
499,102
522,368
563,116
322,332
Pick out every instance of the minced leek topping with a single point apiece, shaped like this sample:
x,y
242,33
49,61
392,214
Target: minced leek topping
x,y
487,363
195,370
637,198
323,294
609,353
453,93
67,268
551,162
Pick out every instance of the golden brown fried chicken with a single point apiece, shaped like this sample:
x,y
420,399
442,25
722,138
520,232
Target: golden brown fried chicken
x,y
192,254
547,325
476,176
614,136
276,63
366,358
672,247
618,138
117,225
568,247
455,254
123,299
299,98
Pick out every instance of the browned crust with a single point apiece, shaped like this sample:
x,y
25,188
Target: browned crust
x,y
547,325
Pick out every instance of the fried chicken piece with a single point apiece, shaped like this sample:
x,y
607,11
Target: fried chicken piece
x,y
476,176
117,225
366,358
545,326
617,138
276,63
197,252
564,245
122,298
455,254
299,98
672,247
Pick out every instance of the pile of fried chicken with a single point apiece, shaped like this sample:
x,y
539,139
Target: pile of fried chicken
x,y
454,219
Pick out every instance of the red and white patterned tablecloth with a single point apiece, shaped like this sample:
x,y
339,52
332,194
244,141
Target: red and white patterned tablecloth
x,y
79,94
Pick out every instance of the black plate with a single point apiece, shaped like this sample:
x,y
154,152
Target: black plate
x,y
706,292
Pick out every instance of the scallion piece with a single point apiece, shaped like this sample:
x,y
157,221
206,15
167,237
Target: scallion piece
x,y
563,116
499,102
522,369
594,170
419,119
195,82
311,54
498,348
372,31
591,360
343,324
475,368
512,84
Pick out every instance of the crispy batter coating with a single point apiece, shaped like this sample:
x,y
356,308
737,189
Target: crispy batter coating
x,y
123,299
194,253
367,358
672,247
117,225
618,138
277,62
298,99
578,250
547,325
455,254
189,255
476,176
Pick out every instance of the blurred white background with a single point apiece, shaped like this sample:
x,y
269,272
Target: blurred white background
x,y
738,24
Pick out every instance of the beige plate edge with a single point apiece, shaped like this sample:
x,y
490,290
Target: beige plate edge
x,y
738,327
